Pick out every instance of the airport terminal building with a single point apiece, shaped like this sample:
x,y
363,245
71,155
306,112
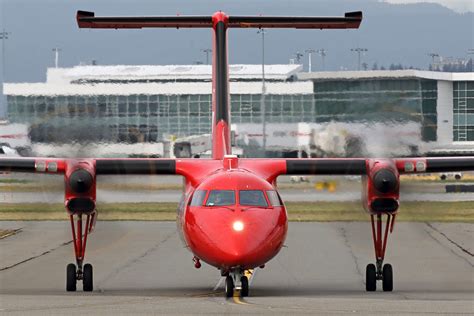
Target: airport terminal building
x,y
426,111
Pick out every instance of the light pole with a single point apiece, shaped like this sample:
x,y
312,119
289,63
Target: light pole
x,y
309,51
206,51
322,53
359,50
470,51
433,57
262,98
3,103
298,57
56,56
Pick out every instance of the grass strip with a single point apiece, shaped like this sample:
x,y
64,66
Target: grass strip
x,y
297,211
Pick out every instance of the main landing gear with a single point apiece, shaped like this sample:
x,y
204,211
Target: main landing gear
x,y
236,280
75,272
379,271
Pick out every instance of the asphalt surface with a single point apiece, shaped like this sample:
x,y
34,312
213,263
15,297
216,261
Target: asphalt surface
x,y
142,268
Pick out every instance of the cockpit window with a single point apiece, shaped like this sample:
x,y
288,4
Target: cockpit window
x,y
198,197
274,198
221,198
252,198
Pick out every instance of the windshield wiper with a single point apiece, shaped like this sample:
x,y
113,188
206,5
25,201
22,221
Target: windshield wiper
x,y
255,206
224,206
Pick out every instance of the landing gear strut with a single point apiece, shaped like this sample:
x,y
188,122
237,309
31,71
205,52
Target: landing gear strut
x,y
236,280
78,271
379,271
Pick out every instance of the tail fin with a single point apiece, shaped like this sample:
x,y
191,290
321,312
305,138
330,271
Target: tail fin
x,y
220,22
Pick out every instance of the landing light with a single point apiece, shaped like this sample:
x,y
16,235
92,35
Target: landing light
x,y
238,226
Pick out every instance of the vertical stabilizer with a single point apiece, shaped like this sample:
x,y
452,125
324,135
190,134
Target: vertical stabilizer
x,y
220,88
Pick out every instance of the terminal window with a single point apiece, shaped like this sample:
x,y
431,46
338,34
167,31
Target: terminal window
x,y
463,111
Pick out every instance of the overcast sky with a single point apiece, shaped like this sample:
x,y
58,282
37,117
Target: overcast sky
x,y
460,6
392,33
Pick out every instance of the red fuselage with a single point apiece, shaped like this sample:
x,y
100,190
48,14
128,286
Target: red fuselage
x,y
239,234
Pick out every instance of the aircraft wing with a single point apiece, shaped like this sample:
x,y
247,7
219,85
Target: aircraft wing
x,y
326,166
102,166
360,166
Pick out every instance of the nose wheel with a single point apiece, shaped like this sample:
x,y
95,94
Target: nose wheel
x,y
380,271
76,272
229,286
236,281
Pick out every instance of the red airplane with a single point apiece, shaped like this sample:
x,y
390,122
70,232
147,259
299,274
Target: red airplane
x,y
231,215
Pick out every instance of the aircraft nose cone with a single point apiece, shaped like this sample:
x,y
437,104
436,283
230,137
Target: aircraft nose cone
x,y
238,239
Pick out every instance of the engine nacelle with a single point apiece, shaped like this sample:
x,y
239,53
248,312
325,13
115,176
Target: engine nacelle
x,y
80,187
381,187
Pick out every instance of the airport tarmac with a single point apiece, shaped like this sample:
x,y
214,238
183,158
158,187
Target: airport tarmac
x,y
142,268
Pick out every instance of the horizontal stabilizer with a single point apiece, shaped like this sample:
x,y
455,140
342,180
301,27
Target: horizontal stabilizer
x,y
350,20
87,19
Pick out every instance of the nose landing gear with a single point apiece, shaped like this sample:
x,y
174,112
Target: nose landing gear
x,y
379,271
236,280
78,271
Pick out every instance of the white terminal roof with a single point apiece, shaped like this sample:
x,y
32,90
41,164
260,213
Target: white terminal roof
x,y
60,80
386,74
63,81
174,88
168,72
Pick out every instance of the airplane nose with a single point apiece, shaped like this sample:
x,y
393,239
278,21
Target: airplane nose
x,y
239,239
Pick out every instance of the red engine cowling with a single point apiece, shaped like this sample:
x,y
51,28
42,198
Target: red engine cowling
x,y
80,187
381,187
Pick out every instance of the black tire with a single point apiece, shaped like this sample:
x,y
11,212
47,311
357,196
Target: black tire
x,y
229,286
370,278
244,292
71,277
87,279
387,281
